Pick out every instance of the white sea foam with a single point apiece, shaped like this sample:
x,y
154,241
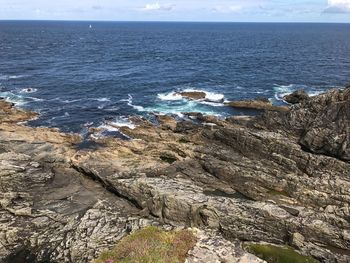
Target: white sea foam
x,y
28,90
315,93
88,124
213,104
112,109
284,90
9,77
108,128
174,95
209,96
35,99
103,99
130,103
172,103
69,101
11,97
114,126
180,109
119,122
170,96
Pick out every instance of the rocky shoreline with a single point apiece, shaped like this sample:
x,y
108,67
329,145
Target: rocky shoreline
x,y
282,177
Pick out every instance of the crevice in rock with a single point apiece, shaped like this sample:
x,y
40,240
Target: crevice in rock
x,y
107,185
24,254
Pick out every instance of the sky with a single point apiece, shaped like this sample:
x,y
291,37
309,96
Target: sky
x,y
178,10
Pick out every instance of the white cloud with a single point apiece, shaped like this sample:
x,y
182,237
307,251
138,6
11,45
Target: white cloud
x,y
338,6
227,9
158,7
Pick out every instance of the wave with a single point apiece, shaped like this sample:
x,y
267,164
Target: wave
x,y
34,99
283,90
112,128
213,104
103,99
129,101
68,101
12,97
18,99
9,77
180,109
171,104
112,109
170,96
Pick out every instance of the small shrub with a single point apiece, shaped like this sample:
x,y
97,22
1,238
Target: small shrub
x,y
168,158
184,140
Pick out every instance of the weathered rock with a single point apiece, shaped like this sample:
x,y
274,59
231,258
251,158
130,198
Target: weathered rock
x,y
212,248
255,179
257,104
296,97
322,123
8,113
193,95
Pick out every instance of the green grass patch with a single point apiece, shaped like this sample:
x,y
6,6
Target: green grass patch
x,y
184,140
275,254
151,245
168,158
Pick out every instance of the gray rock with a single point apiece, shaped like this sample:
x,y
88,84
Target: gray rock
x,y
297,97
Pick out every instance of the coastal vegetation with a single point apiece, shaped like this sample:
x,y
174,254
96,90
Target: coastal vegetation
x,y
276,254
151,244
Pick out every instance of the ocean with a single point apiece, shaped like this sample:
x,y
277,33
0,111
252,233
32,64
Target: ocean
x,y
88,74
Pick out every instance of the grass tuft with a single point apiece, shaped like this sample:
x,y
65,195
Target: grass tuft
x,y
151,245
275,254
168,158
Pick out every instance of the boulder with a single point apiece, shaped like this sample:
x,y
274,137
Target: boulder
x,y
296,97
193,95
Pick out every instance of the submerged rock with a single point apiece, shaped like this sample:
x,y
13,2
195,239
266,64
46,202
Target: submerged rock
x,y
193,95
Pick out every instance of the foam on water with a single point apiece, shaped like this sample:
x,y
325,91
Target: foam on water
x,y
122,122
118,123
130,103
283,90
174,95
209,96
112,128
180,108
69,101
28,90
170,96
9,77
12,97
103,99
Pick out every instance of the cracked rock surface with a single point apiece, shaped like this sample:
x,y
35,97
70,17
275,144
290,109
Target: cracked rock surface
x,y
281,177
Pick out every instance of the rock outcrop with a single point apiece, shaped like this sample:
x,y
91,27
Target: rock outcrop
x,y
282,178
193,95
257,104
297,97
321,123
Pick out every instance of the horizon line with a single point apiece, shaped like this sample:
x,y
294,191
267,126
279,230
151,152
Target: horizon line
x,y
172,21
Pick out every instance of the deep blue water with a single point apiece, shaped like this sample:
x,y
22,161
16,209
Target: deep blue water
x,y
80,76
